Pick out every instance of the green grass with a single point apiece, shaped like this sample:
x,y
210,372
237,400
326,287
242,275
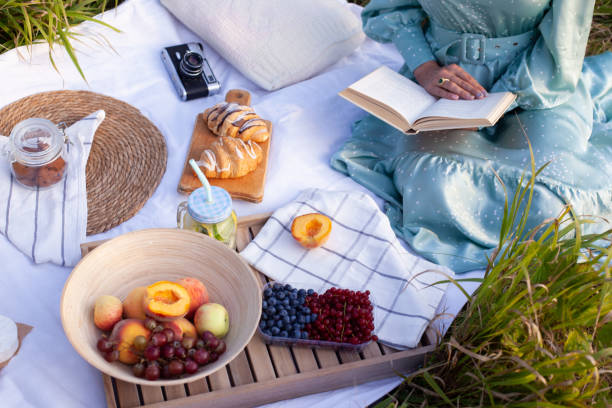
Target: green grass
x,y
537,332
24,22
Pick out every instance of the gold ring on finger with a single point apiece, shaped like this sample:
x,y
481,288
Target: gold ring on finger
x,y
442,81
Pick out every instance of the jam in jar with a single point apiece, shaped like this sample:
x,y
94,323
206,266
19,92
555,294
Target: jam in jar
x,y
37,155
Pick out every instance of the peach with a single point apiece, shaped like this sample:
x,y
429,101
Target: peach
x,y
198,294
181,328
123,335
165,301
133,305
311,230
212,317
107,311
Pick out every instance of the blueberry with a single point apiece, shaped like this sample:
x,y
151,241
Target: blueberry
x,y
286,301
264,316
313,317
293,295
292,311
262,324
288,287
283,313
292,317
268,292
296,326
301,319
270,323
284,333
306,309
296,334
301,293
267,332
293,302
275,330
264,304
277,286
271,310
280,295
272,301
305,335
310,291
286,319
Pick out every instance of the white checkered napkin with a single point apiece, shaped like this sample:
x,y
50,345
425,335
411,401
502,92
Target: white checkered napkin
x,y
48,225
362,253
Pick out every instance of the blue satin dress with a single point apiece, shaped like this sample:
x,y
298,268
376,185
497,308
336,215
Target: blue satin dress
x,y
443,197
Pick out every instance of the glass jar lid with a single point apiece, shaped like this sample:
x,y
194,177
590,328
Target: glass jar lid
x,y
36,141
209,212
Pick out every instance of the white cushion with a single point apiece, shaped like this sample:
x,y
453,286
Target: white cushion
x,y
273,42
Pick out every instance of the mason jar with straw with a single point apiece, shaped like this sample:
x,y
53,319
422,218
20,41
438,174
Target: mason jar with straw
x,y
208,210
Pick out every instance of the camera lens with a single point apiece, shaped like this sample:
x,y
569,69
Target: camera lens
x,y
191,64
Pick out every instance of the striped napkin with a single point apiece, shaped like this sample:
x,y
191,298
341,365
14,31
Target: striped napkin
x,y
48,225
362,253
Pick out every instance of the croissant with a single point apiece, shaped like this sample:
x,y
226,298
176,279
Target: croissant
x,y
230,157
234,120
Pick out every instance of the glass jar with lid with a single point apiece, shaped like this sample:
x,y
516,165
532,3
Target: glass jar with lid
x,y
37,153
212,215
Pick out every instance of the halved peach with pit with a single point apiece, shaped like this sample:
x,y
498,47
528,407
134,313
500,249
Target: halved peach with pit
x,y
311,230
165,301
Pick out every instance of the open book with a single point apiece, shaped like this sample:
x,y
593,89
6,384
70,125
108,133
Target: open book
x,y
407,106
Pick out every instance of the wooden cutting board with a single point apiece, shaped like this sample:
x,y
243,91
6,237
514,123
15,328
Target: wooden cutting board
x,y
249,187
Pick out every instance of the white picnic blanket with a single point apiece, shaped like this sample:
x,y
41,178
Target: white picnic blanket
x,y
48,225
310,123
362,253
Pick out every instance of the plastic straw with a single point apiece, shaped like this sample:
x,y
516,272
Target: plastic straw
x,y
203,179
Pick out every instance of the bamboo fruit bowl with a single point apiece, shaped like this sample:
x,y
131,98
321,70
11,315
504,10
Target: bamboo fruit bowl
x,y
143,257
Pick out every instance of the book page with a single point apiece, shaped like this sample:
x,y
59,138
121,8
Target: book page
x,y
466,109
396,91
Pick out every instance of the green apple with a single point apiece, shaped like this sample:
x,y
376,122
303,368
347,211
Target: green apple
x,y
212,317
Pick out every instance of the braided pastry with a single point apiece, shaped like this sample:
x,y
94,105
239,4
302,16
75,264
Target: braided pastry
x,y
231,119
230,157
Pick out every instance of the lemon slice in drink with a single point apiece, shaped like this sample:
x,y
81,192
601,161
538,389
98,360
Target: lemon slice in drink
x,y
223,230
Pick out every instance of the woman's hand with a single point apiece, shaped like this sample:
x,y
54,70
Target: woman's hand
x,y
460,84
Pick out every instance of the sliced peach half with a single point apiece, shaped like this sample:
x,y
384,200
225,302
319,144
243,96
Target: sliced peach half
x,y
165,301
311,230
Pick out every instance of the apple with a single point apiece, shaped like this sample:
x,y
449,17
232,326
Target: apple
x,y
212,317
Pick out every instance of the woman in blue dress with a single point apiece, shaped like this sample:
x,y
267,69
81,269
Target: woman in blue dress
x,y
442,193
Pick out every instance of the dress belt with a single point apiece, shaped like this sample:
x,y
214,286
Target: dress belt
x,y
476,48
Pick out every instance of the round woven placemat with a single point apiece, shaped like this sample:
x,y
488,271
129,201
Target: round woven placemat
x,y
127,158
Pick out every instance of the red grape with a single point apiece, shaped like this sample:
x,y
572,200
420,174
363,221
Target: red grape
x,y
201,356
152,353
105,345
169,333
207,335
167,351
111,356
212,343
200,343
176,367
190,366
158,339
213,357
180,353
221,347
152,372
139,369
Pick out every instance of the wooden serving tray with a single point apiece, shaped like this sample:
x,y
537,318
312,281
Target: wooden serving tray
x,y
263,373
249,187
